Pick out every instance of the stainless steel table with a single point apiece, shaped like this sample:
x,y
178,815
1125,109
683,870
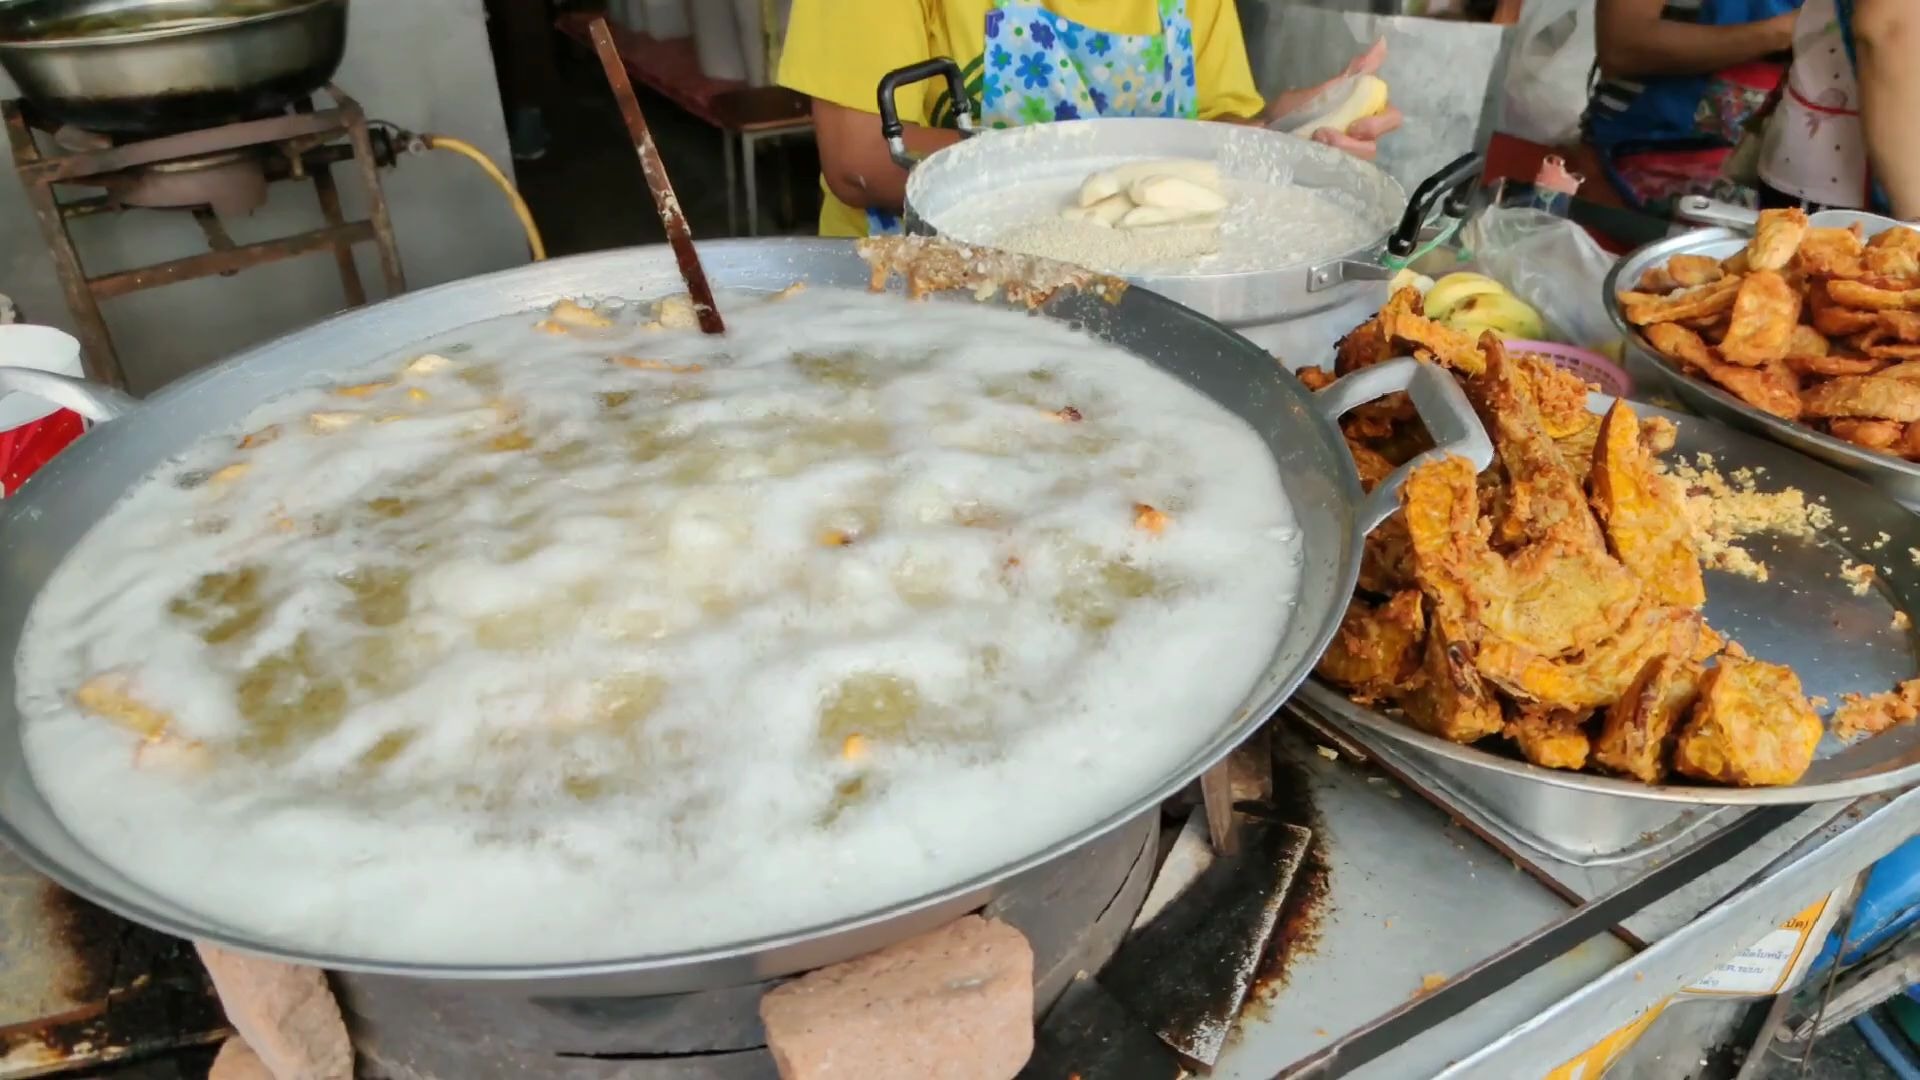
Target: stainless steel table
x,y
1530,979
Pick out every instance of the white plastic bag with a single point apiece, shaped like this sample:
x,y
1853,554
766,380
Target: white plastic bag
x,y
1442,75
1550,263
1545,92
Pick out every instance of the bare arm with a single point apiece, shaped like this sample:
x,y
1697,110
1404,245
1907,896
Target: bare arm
x,y
1886,34
854,158
1634,42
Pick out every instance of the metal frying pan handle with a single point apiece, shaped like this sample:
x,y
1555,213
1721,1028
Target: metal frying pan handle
x,y
1447,189
893,130
1701,210
91,400
1443,408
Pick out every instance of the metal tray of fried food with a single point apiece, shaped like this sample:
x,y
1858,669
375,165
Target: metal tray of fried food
x,y
1806,615
1892,474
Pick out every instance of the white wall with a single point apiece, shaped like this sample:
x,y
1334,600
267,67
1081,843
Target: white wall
x,y
423,64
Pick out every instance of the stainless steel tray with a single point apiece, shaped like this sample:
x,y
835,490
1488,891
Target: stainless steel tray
x,y
1897,477
1806,616
1577,828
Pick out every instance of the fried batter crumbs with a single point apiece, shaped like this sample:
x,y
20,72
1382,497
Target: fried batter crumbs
x,y
1858,576
1725,510
1860,716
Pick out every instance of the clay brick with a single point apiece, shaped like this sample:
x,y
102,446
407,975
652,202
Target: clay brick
x,y
286,1014
956,1004
237,1061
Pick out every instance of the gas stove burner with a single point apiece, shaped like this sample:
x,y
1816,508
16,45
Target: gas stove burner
x,y
231,182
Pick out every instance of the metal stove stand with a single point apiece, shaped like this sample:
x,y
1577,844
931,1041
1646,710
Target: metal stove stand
x,y
303,144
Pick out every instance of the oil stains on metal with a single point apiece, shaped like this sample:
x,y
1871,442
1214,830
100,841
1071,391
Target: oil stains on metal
x,y
1089,1035
1298,934
1188,973
129,991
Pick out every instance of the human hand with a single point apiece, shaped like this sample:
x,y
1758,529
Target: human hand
x,y
1361,138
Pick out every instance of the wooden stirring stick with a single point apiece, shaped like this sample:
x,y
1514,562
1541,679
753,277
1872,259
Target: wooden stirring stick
x,y
664,200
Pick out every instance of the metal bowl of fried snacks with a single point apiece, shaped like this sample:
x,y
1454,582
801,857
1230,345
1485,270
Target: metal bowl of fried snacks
x,y
1807,332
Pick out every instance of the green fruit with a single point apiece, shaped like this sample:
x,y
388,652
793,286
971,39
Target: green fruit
x,y
1503,313
1451,291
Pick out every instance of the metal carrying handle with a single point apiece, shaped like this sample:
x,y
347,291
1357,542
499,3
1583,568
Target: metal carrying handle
x,y
1701,210
91,400
894,131
1450,189
1443,408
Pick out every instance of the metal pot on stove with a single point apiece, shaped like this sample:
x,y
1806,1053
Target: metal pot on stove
x,y
944,186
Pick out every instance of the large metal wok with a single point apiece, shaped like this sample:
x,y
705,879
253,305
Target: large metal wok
x,y
63,501
941,188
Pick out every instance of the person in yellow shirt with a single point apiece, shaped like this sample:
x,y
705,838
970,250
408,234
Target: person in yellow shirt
x,y
1024,63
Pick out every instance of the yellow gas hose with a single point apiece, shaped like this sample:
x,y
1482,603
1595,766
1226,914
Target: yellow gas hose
x,y
472,153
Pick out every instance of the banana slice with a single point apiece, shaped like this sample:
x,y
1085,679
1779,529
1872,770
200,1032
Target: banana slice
x,y
1115,181
1145,217
1192,170
1099,187
1105,213
1175,193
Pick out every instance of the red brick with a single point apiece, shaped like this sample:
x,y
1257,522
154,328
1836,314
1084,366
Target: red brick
x,y
286,1014
956,1004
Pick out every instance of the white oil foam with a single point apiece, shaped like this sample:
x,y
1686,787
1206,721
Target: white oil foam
x,y
542,657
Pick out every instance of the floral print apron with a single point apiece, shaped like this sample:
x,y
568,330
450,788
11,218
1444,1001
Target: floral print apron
x,y
1038,67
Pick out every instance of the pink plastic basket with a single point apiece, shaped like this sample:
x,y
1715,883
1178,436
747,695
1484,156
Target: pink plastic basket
x,y
1589,365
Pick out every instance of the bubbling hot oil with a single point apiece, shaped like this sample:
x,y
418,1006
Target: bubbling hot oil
x,y
552,644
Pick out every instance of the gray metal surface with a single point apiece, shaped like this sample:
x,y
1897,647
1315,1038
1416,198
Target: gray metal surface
x,y
1896,476
1827,860
80,990
978,167
168,65
1406,895
42,522
1584,879
1453,901
1805,616
1573,828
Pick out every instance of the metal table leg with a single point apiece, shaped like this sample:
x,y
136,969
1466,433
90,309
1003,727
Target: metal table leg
x,y
98,358
748,143
727,151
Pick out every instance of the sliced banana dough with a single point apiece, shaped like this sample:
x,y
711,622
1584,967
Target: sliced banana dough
x,y
1144,217
1105,213
1175,193
1110,182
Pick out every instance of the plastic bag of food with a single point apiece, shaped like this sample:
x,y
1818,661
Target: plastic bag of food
x,y
1545,91
1440,74
1552,264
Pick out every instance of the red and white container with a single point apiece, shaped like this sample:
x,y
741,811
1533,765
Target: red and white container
x,y
32,429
